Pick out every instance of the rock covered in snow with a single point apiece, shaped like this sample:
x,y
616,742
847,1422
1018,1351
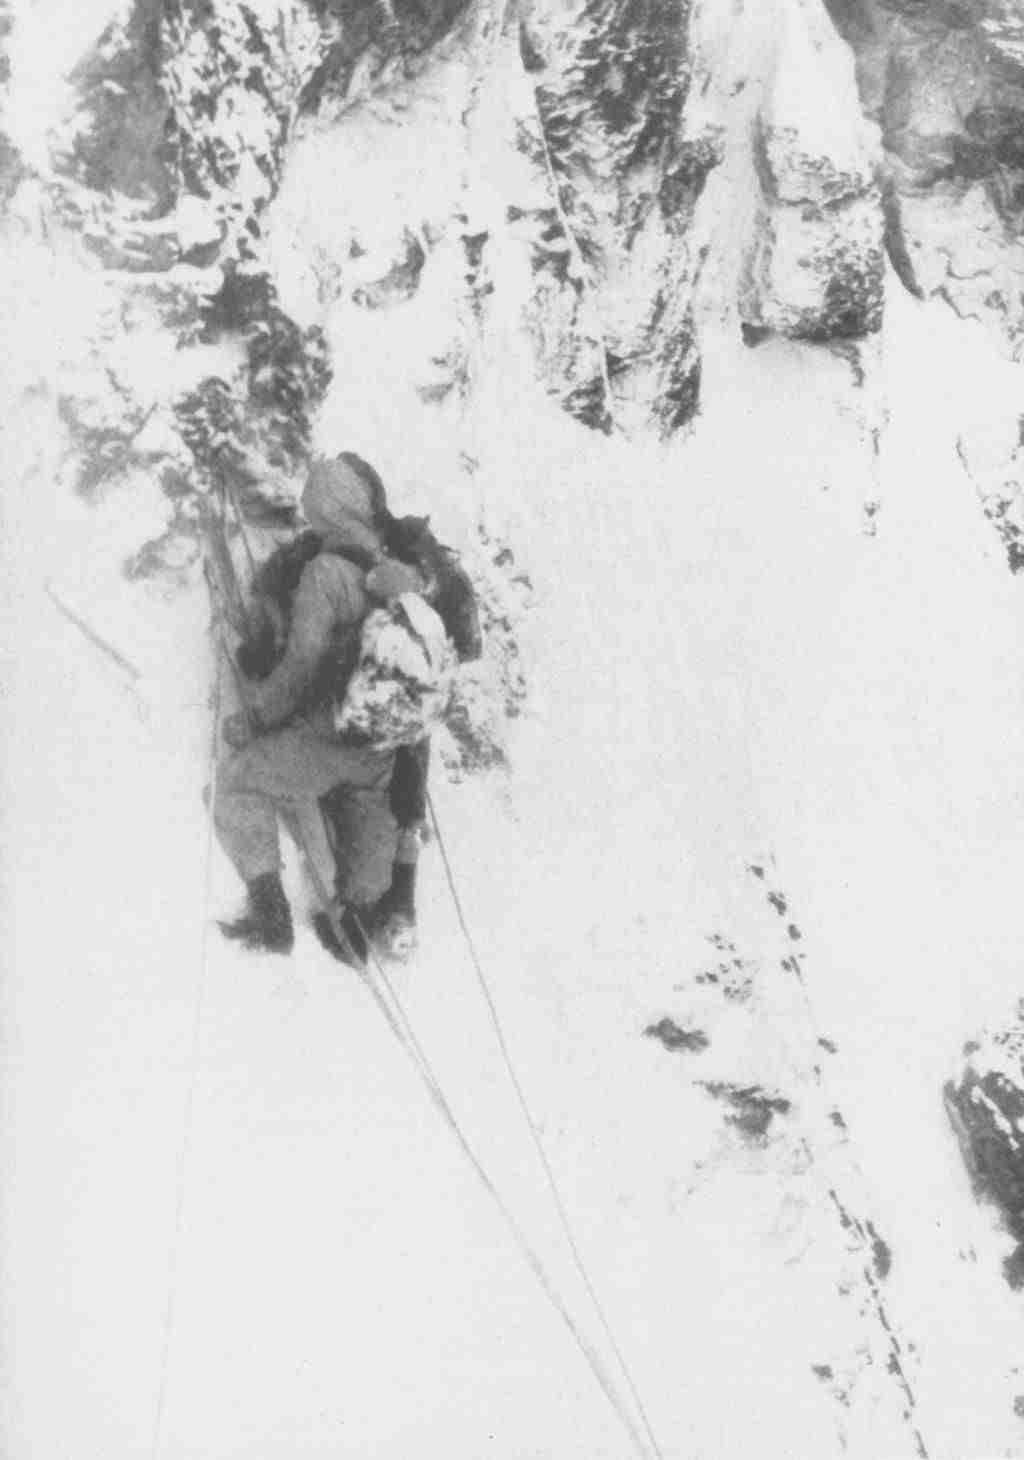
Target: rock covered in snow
x,y
986,1106
993,456
815,267
238,73
234,76
116,141
946,84
624,172
1002,24
252,432
11,166
187,114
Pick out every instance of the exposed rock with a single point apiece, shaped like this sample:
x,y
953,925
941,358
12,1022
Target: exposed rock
x,y
986,1106
11,167
675,1038
946,84
237,76
400,280
234,77
374,42
815,268
251,436
169,557
613,259
752,1108
188,109
994,460
118,135
732,975
184,109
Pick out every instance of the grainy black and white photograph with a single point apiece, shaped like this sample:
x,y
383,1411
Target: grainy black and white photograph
x,y
512,730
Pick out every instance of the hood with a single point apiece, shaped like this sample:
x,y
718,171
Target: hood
x,y
336,503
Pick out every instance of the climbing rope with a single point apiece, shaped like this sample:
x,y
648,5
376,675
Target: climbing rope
x,y
387,999
381,988
542,1155
193,1078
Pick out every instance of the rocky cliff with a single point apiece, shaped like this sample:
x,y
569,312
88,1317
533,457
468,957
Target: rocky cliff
x,y
872,124
945,84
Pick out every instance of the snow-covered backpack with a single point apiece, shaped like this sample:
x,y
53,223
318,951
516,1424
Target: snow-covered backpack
x,y
402,683
449,587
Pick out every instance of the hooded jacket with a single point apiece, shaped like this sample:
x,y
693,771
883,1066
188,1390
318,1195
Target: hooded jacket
x,y
329,604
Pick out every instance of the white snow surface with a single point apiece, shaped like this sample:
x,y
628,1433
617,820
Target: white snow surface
x,y
234,1227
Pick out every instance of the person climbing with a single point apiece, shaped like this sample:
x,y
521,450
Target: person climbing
x,y
287,754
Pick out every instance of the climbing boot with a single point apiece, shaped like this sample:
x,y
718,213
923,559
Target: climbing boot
x,y
394,918
351,947
266,924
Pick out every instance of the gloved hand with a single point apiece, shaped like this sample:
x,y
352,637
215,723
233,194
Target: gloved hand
x,y
237,730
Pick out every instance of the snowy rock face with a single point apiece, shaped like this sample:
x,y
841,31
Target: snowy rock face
x,y
611,83
986,1106
993,456
187,116
182,112
10,165
234,79
815,268
946,84
537,181
201,101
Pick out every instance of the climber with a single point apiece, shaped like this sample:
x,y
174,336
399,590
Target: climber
x,y
287,754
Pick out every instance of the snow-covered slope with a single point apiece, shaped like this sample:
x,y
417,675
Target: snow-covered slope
x,y
743,887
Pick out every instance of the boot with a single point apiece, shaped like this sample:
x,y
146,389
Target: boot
x,y
355,950
400,898
266,924
394,917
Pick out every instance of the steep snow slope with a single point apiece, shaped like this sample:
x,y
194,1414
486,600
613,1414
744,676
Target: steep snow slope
x,y
766,787
736,674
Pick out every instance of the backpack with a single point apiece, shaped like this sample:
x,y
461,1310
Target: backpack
x,y
402,682
449,587
396,681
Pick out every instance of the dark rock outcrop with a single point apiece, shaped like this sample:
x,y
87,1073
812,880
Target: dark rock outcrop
x,y
676,1038
11,167
946,84
993,458
119,141
233,84
184,109
612,257
815,268
986,1106
188,110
